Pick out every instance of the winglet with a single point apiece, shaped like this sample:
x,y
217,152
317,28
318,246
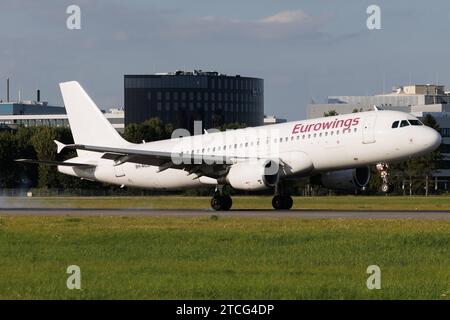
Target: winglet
x,y
59,145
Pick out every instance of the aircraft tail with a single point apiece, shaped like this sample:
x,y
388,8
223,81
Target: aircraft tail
x,y
87,123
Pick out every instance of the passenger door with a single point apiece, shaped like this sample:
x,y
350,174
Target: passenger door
x,y
369,129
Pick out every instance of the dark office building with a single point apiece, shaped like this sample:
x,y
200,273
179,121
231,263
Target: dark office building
x,y
182,97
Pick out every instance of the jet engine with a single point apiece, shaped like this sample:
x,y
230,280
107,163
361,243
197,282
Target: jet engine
x,y
253,175
347,180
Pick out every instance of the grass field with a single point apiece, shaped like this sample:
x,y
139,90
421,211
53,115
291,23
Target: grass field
x,y
239,202
222,258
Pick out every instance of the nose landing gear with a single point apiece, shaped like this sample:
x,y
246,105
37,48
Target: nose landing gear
x,y
382,168
221,201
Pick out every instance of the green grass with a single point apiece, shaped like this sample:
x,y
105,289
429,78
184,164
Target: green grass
x,y
222,258
239,202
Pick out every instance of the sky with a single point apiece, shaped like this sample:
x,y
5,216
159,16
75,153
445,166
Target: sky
x,y
304,50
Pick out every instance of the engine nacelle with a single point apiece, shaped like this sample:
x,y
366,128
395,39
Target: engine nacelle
x,y
348,180
253,175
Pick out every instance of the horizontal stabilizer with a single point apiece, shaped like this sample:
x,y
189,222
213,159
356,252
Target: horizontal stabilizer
x,y
56,163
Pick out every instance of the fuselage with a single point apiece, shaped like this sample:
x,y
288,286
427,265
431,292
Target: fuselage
x,y
330,143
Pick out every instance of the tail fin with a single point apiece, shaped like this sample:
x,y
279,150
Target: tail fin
x,y
88,124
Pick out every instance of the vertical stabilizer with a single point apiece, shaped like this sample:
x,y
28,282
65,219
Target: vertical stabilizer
x,y
88,124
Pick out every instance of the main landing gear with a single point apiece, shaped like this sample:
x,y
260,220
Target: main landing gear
x,y
382,168
281,201
221,201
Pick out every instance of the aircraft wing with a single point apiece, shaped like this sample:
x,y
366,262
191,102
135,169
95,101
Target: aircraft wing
x,y
56,163
200,164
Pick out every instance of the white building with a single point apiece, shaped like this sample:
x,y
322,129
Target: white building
x,y
115,116
273,120
418,100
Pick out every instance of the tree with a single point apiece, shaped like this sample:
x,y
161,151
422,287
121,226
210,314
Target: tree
x,y
428,163
150,130
232,126
408,171
8,178
330,113
26,175
45,149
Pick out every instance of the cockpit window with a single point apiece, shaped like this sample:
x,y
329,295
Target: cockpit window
x,y
404,123
395,124
415,123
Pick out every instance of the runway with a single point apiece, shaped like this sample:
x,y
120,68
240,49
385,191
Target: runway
x,y
302,214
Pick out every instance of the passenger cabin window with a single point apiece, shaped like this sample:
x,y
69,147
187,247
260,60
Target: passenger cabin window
x,y
404,123
395,124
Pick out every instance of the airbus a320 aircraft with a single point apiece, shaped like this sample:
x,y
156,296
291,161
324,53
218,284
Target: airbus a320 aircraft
x,y
336,151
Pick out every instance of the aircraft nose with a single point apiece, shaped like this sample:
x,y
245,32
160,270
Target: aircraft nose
x,y
431,138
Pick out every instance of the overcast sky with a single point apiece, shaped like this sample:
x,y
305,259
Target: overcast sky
x,y
302,49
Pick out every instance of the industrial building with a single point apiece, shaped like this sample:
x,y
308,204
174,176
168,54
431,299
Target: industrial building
x,y
418,100
35,113
183,97
273,120
412,98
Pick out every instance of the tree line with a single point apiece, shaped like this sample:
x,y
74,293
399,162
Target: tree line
x,y
37,143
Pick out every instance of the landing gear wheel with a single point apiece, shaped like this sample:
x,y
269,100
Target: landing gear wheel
x,y
216,203
277,202
282,202
288,202
387,188
221,202
227,203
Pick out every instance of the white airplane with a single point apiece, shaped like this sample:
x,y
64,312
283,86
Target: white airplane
x,y
333,150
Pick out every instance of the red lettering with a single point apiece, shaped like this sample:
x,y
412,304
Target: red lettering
x,y
296,128
327,125
348,123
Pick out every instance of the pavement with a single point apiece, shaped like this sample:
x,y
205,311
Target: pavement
x,y
302,214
